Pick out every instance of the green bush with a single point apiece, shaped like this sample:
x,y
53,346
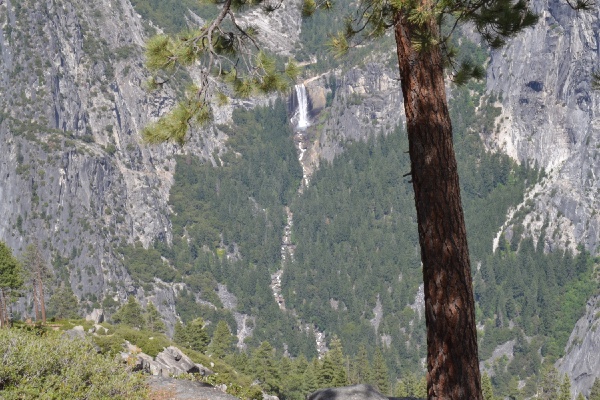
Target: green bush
x,y
149,342
47,366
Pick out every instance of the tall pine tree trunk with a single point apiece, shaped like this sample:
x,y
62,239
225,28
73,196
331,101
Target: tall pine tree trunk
x,y
452,360
3,310
36,310
41,294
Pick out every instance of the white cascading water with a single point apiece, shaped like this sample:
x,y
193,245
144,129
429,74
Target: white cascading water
x,y
302,106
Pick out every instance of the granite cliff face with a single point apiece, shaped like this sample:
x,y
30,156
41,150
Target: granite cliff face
x,y
581,361
75,175
550,118
348,106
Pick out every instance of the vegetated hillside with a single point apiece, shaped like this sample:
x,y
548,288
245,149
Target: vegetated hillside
x,y
80,182
357,268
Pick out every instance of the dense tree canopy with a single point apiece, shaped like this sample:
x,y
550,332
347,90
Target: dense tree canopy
x,y
423,50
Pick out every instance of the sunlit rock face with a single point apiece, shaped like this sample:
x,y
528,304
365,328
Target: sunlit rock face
x,y
76,176
550,118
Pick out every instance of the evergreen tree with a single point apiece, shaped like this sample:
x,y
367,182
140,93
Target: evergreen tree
x,y
266,369
486,387
421,391
410,386
380,371
193,335
311,376
38,274
198,337
580,397
327,372
11,280
548,389
300,364
595,390
222,340
565,389
291,378
336,354
130,313
180,334
400,389
153,319
63,303
361,368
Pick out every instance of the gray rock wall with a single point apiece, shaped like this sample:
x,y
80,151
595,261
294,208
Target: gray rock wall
x,y
550,118
73,166
582,361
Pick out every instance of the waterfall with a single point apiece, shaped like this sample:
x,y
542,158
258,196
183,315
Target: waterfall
x,y
302,106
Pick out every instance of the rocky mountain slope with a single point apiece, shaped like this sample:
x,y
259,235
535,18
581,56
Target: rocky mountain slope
x,y
75,171
550,117
582,362
75,175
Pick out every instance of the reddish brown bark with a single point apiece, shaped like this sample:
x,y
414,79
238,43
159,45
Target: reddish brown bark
x,y
41,293
3,311
36,310
452,360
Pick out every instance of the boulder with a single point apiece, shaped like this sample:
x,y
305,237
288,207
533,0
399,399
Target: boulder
x,y
76,333
355,392
169,362
174,362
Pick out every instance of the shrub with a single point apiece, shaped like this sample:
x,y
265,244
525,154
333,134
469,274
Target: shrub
x,y
48,366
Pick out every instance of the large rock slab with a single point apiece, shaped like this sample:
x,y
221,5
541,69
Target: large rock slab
x,y
174,362
355,392
179,389
169,362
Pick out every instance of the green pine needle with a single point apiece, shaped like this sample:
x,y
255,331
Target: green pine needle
x,y
292,70
308,8
159,54
339,45
222,99
171,127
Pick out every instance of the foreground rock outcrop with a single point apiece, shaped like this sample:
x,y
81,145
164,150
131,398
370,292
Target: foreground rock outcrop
x,y
355,392
178,389
169,362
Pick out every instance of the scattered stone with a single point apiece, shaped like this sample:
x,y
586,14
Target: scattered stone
x,y
174,362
